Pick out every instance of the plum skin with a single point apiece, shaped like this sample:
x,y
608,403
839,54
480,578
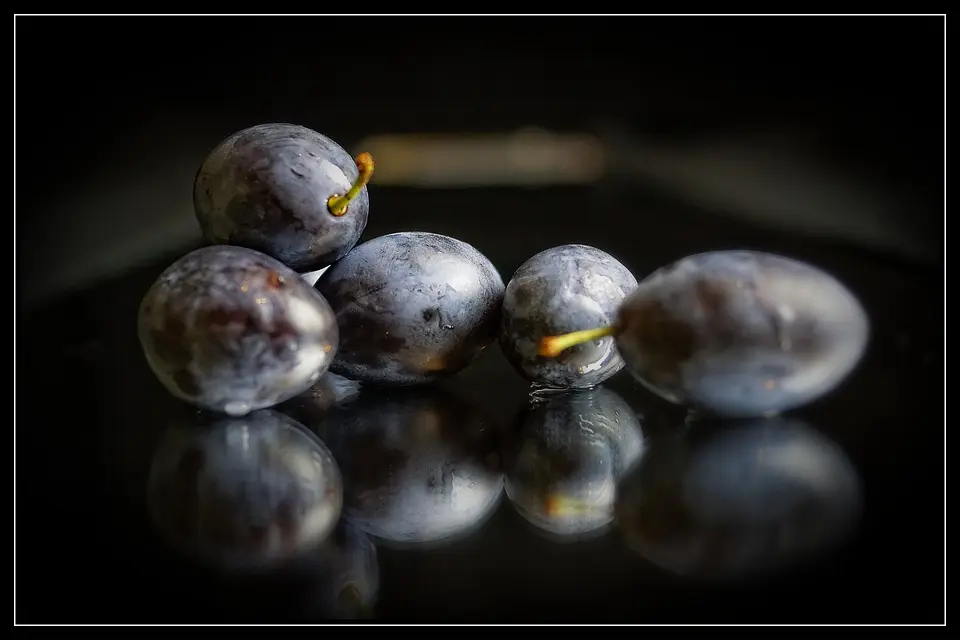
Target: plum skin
x,y
244,492
413,307
572,447
741,334
266,188
232,330
560,290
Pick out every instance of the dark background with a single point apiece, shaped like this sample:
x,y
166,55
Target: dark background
x,y
114,116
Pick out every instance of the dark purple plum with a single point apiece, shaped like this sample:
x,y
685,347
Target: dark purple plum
x,y
244,493
741,499
572,449
558,291
284,190
736,333
419,466
232,330
412,308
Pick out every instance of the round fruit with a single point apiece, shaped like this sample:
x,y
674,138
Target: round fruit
x,y
233,330
284,190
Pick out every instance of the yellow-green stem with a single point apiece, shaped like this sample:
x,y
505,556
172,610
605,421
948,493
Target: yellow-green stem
x,y
553,346
338,204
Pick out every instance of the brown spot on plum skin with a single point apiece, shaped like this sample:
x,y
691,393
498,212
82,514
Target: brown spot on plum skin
x,y
170,347
274,280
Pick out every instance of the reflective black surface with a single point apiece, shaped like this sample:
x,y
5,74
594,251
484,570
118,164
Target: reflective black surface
x,y
833,513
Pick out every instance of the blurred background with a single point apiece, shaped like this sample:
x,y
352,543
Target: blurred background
x,y
652,138
824,127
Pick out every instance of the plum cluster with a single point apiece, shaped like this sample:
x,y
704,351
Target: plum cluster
x,y
233,328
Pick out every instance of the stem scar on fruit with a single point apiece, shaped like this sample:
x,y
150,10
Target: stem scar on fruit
x,y
553,346
337,204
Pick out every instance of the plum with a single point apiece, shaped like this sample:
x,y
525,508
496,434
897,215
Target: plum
x,y
244,493
412,308
572,449
560,290
284,190
419,466
736,333
742,499
230,329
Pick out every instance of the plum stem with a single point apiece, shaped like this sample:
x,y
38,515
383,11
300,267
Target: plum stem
x,y
337,204
552,346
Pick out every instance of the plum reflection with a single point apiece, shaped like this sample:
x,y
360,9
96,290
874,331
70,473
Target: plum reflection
x,y
419,466
244,492
738,500
571,451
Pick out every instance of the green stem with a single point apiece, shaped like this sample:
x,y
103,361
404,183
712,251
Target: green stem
x,y
337,204
553,346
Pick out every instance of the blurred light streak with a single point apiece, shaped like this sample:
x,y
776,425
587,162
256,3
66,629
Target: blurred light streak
x,y
528,157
